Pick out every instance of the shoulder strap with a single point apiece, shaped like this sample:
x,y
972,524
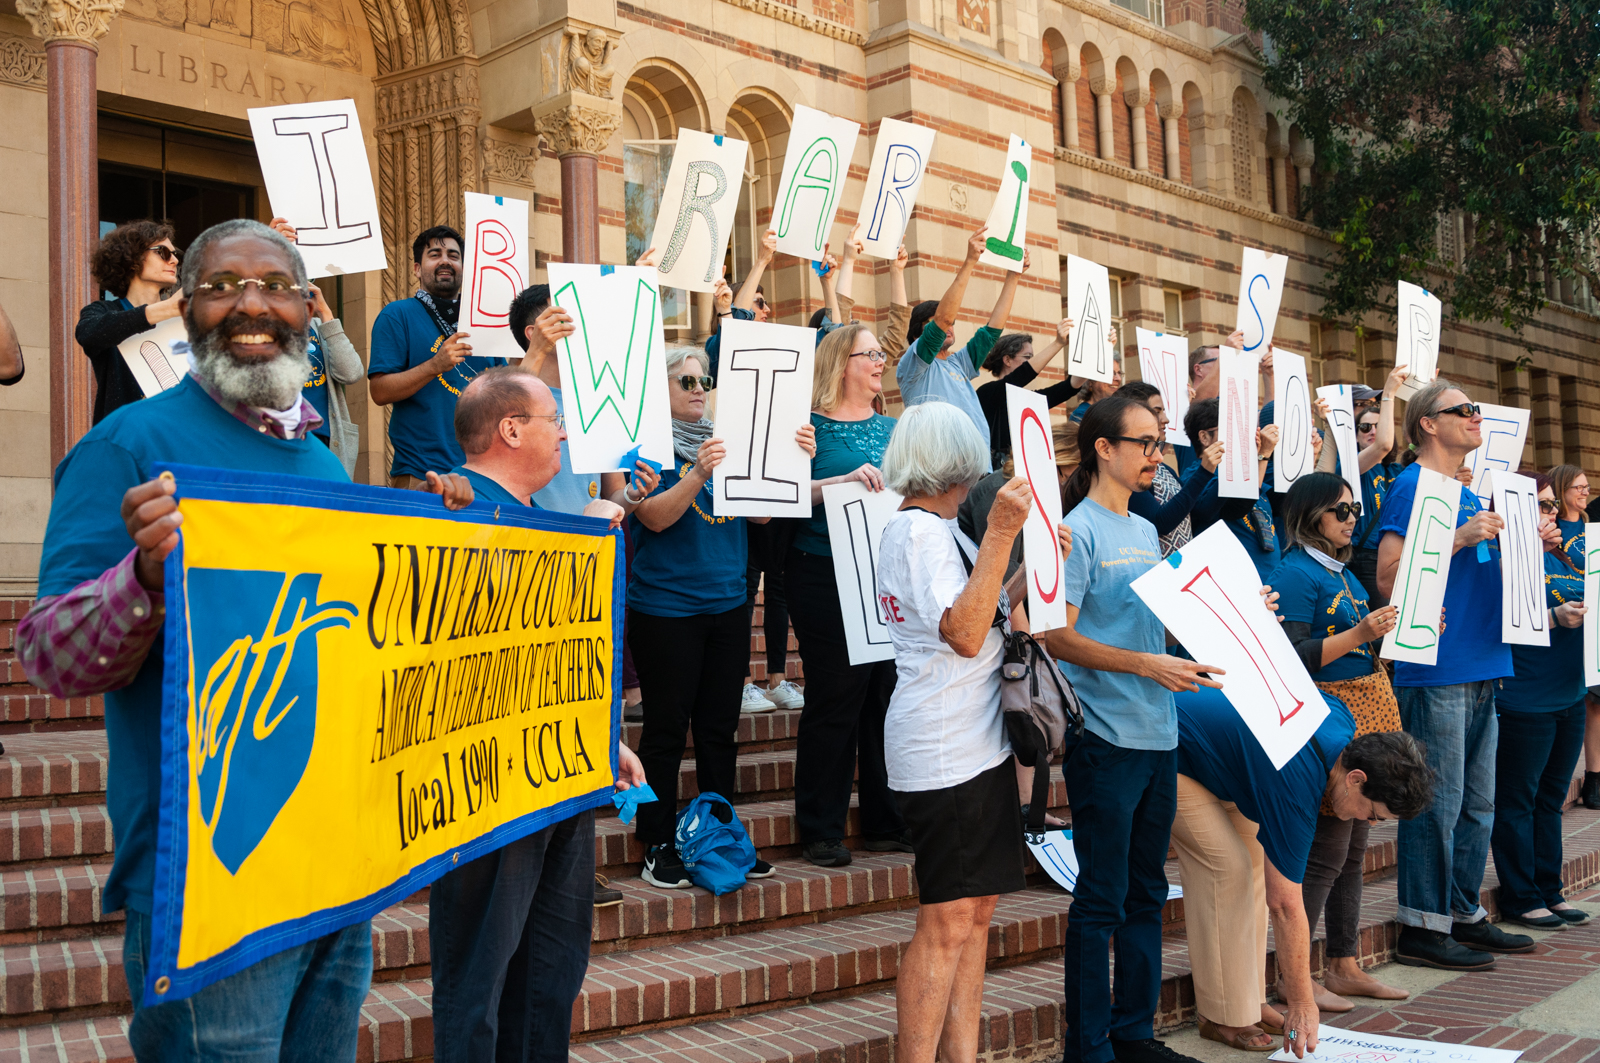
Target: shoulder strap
x,y
999,615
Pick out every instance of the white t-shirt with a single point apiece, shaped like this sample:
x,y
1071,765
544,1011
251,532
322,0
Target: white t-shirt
x,y
944,724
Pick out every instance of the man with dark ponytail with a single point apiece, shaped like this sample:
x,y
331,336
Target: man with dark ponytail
x,y
1122,774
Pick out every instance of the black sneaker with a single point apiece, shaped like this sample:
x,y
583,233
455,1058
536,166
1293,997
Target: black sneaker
x,y
899,842
1490,938
664,869
830,853
761,870
1420,947
1147,1051
605,894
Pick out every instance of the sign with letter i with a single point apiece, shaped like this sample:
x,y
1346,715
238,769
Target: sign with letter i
x,y
1008,218
495,272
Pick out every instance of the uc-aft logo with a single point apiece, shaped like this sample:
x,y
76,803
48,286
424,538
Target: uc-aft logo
x,y
254,716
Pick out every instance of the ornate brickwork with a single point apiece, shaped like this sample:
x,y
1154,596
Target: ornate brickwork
x,y
973,14
507,161
70,20
579,129
21,61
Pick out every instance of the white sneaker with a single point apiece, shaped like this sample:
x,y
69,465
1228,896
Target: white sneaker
x,y
754,700
786,696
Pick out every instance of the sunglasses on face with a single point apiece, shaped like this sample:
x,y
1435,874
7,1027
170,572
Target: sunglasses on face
x,y
761,304
1345,510
167,254
1151,447
688,383
872,356
1367,426
1547,505
1466,409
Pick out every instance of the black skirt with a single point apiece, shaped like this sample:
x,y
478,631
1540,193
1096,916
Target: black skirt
x,y
967,837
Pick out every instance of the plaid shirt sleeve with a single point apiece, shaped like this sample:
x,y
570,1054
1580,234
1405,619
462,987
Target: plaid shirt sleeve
x,y
95,637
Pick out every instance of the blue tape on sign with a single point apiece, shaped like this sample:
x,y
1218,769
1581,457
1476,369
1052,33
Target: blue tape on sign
x,y
629,800
1175,558
606,271
718,139
1483,552
633,457
499,201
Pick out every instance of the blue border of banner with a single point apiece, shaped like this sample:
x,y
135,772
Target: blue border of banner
x,y
171,839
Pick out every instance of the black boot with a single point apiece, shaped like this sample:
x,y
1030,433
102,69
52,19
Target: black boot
x,y
1590,797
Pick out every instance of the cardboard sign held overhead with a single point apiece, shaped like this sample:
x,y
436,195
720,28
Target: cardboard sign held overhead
x,y
856,519
314,164
1260,292
1089,306
158,357
1209,596
1291,410
899,162
1342,426
1524,620
763,399
1239,475
1591,594
1008,218
698,204
814,167
1424,570
1418,320
1504,432
495,272
1164,362
1034,452
613,368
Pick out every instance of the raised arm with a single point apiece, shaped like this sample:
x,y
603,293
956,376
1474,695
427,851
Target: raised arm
x,y
965,625
950,303
1385,441
746,299
854,246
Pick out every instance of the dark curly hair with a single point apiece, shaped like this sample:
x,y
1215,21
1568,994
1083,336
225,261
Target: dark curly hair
x,y
117,262
1004,348
1397,771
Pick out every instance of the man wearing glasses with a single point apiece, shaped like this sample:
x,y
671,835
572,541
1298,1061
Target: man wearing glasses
x,y
1450,705
247,307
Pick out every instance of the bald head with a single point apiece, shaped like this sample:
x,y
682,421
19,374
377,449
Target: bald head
x,y
492,396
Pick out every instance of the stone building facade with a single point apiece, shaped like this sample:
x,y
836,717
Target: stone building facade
x,y
1168,159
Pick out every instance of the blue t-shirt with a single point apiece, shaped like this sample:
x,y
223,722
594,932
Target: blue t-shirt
x,y
422,429
1109,552
1309,594
1079,411
567,491
1549,678
696,567
86,535
1217,750
1469,645
1375,484
1572,541
949,379
842,447
316,389
1186,457
485,489
1259,534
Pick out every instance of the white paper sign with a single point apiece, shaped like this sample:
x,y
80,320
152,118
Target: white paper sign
x,y
158,357
1342,426
899,161
1424,570
1291,410
1028,413
1055,853
314,163
814,167
763,399
1417,325
1008,218
1164,362
1524,619
1336,1044
1089,353
1505,431
613,368
1591,594
1239,476
1211,600
1260,292
856,519
495,272
698,204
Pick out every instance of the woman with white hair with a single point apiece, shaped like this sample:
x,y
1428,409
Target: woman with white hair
x,y
945,746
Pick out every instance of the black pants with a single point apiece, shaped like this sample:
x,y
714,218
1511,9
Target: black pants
x,y
1533,768
769,547
509,934
1333,882
844,711
691,673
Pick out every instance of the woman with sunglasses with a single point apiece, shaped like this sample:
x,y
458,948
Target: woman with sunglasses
x,y
1541,710
688,624
136,263
1375,440
1325,612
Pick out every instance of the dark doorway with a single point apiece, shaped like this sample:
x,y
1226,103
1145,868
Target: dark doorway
x,y
192,204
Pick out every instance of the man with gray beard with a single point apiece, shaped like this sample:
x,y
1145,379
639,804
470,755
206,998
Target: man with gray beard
x,y
247,305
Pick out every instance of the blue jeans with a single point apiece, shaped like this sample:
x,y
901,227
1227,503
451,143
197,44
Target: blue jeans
x,y
509,937
1444,850
301,1004
1123,802
1538,751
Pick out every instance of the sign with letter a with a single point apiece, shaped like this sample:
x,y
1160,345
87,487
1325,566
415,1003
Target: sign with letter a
x,y
496,269
899,161
814,167
1089,307
314,163
698,203
763,399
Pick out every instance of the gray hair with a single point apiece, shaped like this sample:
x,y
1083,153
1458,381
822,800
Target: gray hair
x,y
189,272
677,353
934,447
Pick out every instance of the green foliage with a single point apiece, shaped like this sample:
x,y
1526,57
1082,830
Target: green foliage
x,y
1488,107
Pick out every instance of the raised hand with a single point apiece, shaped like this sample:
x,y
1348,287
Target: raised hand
x,y
150,512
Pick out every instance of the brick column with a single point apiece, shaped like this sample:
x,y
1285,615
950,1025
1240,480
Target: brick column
x,y
1138,100
578,132
1544,428
1103,89
1068,74
1171,113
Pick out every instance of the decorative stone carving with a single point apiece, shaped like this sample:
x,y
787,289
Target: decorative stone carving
x,y
21,61
958,198
507,161
85,21
1102,85
578,125
588,66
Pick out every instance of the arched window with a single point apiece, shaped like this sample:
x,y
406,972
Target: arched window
x,y
1244,156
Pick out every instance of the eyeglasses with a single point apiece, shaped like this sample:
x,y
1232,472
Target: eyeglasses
x,y
1345,510
1204,361
1367,426
1151,447
1466,409
687,383
275,288
559,419
1547,505
873,356
167,254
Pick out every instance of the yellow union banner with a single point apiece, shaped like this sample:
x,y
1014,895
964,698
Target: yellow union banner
x,y
365,690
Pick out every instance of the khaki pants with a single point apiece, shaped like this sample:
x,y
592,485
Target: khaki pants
x,y
408,483
1224,905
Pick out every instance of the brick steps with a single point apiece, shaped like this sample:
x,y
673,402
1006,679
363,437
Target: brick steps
x,y
757,732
